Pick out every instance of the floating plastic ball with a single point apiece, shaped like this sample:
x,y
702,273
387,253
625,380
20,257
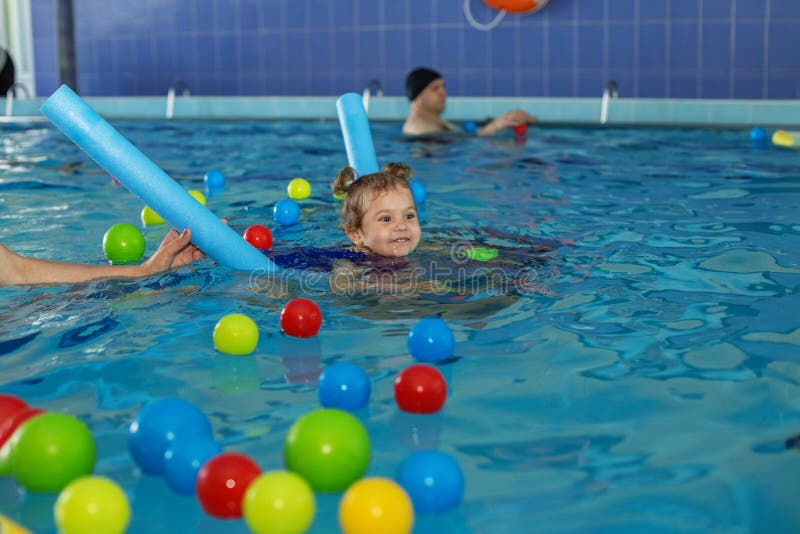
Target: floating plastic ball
x,y
433,480
376,505
279,502
92,504
198,196
782,138
10,424
50,450
301,318
7,429
299,188
259,236
10,404
340,196
123,243
158,424
758,135
430,340
222,482
9,407
329,448
345,386
236,333
420,389
418,192
286,212
214,180
470,127
150,217
183,461
520,129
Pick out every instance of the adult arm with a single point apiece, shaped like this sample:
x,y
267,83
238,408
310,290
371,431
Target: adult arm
x,y
509,119
174,251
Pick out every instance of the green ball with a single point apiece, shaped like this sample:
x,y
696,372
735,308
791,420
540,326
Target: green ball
x,y
123,243
278,502
236,333
51,450
299,188
329,448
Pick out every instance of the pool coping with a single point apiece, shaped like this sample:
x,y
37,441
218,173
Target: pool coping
x,y
580,111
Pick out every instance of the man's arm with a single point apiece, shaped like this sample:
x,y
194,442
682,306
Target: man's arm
x,y
508,119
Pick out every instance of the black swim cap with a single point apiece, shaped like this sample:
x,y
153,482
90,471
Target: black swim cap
x,y
418,79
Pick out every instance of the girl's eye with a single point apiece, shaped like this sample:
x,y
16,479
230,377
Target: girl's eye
x,y
410,216
385,218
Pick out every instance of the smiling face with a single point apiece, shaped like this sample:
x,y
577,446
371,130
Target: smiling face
x,y
390,226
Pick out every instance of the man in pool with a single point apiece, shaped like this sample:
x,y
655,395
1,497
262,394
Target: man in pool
x,y
175,250
426,91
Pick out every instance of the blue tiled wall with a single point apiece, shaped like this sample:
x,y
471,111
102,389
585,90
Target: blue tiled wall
x,y
652,48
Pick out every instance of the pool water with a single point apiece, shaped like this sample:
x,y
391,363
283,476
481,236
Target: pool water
x,y
644,378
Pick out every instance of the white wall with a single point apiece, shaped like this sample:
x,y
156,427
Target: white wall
x,y
16,36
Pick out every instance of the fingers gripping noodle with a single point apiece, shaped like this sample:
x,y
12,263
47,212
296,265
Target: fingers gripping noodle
x,y
356,134
114,153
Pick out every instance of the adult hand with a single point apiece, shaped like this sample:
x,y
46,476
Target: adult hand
x,y
509,119
175,251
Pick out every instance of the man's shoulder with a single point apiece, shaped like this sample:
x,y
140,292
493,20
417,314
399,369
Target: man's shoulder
x,y
422,126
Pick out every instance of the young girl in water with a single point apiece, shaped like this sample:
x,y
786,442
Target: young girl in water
x,y
379,215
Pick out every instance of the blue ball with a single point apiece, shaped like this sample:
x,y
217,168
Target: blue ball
x,y
286,212
345,386
470,127
157,425
214,180
758,135
418,190
433,480
183,461
430,340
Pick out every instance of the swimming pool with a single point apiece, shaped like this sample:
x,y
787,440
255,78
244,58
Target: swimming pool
x,y
646,381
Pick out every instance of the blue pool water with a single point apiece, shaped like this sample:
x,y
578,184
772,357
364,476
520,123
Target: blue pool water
x,y
643,378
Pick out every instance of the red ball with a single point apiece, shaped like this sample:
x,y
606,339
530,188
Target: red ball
x,y
10,404
301,318
11,423
420,389
222,481
258,236
520,129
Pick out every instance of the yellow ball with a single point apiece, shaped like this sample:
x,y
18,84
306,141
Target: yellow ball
x,y
92,504
376,505
782,138
278,502
299,188
198,196
339,196
150,217
236,333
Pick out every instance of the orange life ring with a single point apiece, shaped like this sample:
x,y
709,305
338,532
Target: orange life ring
x,y
518,6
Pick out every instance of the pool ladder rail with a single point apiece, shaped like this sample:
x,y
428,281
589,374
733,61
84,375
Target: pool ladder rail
x,y
11,95
611,91
367,93
177,86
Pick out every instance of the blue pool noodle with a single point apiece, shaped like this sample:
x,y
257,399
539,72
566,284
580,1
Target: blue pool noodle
x,y
114,153
357,137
